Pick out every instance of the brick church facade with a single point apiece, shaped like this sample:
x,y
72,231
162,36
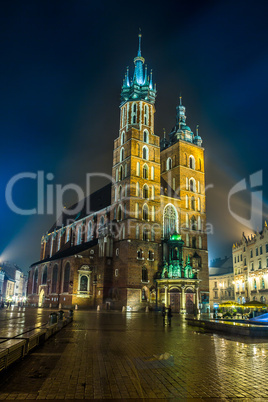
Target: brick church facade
x,y
143,242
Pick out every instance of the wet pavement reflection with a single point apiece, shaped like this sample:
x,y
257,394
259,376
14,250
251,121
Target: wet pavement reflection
x,y
132,355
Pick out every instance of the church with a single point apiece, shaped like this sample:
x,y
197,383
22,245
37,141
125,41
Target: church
x,y
143,240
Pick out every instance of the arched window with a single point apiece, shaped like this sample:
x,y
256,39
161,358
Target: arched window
x,y
193,223
54,278
146,116
170,220
145,136
137,210
198,204
145,191
119,213
122,154
192,185
145,233
120,193
145,153
186,201
152,173
169,163
187,221
134,113
115,194
44,275
123,138
116,175
153,234
102,221
138,169
192,162
200,242
89,231
35,280
193,203
144,274
121,173
199,224
153,213
137,189
66,279
145,171
83,283
145,212
139,254
137,232
79,235
153,193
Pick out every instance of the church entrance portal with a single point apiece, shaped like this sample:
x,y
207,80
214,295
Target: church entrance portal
x,y
41,298
175,300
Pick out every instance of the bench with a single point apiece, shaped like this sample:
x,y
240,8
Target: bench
x,y
12,350
33,338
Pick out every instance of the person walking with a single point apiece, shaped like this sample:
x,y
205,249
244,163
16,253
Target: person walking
x,y
164,314
169,314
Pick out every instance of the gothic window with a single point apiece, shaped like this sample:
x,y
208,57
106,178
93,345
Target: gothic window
x,y
121,173
145,234
134,113
187,221
194,242
120,193
192,162
152,173
145,136
145,212
137,232
59,239
153,213
35,280
146,116
44,276
145,171
145,153
153,193
102,221
199,224
144,275
79,235
170,220
145,191
152,234
138,169
54,278
123,138
89,231
119,213
84,283
66,279
186,201
115,194
137,210
192,185
137,189
169,163
122,154
193,203
193,223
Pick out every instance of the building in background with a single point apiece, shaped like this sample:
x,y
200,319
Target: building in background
x,y
143,240
221,281
13,283
250,259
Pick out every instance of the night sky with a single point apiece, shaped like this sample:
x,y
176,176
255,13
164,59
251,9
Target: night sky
x,y
62,66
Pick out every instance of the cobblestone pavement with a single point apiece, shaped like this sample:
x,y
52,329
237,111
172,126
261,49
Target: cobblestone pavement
x,y
132,355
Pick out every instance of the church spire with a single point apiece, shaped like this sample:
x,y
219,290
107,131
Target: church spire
x,y
139,61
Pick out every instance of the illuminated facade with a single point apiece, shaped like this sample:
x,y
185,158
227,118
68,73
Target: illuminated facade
x,y
147,244
250,260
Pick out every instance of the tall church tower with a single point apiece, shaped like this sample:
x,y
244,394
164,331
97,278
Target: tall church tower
x,y
136,188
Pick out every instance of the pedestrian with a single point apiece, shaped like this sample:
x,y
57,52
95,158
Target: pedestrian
x,y
164,314
169,314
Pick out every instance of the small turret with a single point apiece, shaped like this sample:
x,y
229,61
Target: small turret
x,y
197,138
